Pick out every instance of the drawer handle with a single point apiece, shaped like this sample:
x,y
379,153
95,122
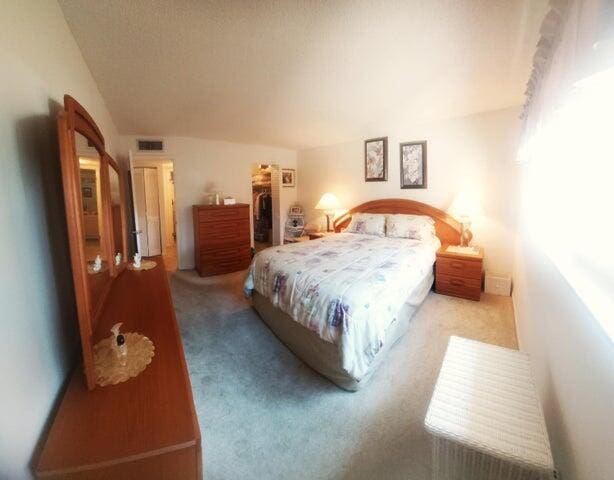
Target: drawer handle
x,y
457,283
454,264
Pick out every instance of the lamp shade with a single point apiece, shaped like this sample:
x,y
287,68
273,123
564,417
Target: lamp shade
x,y
328,202
466,205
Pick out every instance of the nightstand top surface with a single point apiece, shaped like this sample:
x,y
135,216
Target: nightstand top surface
x,y
461,256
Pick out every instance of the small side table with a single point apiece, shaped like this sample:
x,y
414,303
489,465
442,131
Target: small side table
x,y
459,274
485,417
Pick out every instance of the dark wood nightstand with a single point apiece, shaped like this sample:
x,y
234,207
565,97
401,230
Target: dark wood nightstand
x,y
459,274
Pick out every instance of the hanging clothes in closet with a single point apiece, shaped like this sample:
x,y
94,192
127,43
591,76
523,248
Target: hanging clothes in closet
x,y
263,209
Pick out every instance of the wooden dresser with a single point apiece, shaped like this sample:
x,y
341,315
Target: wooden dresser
x,y
221,238
145,427
458,274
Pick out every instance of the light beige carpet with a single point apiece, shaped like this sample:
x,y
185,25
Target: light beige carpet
x,y
265,415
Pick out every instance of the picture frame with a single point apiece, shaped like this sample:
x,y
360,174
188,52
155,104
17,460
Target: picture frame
x,y
413,171
288,177
376,160
296,210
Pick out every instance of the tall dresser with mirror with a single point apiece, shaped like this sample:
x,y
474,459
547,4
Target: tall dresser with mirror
x,y
146,426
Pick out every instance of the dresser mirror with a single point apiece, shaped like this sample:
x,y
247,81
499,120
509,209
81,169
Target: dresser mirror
x,y
95,216
118,232
90,189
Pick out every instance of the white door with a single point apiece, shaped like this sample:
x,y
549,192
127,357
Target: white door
x,y
140,216
152,206
276,201
146,211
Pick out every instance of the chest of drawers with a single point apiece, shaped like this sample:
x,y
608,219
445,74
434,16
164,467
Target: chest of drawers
x,y
221,238
459,275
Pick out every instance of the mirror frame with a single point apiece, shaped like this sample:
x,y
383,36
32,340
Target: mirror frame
x,y
75,119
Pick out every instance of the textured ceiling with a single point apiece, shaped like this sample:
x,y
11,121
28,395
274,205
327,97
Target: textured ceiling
x,y
302,73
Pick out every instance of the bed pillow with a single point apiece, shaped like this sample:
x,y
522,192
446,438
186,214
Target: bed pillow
x,y
368,224
416,227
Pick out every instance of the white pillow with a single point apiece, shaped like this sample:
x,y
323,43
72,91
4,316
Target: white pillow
x,y
368,224
417,227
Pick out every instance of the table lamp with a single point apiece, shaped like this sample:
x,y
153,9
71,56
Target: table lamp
x,y
329,203
465,207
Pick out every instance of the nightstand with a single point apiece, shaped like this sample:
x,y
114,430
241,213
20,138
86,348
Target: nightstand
x,y
459,274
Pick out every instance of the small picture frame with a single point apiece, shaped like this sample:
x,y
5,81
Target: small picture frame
x,y
376,160
413,164
288,177
296,210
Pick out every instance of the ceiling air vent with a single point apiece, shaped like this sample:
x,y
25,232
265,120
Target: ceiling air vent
x,y
150,145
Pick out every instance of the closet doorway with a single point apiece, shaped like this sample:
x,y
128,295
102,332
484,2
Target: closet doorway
x,y
153,188
265,205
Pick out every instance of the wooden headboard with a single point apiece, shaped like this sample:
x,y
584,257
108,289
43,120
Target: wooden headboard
x,y
446,227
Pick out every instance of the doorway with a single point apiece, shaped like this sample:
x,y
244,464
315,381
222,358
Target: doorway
x,y
154,209
265,182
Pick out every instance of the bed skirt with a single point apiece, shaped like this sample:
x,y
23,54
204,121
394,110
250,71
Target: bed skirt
x,y
323,356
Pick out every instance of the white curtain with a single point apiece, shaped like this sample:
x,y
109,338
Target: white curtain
x,y
568,148
576,40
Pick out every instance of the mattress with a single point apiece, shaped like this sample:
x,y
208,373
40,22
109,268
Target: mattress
x,y
347,291
323,356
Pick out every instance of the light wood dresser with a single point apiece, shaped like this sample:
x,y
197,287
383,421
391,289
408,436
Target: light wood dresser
x,y
221,238
458,274
145,427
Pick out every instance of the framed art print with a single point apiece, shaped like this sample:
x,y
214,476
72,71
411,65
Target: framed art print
x,y
413,165
288,177
376,160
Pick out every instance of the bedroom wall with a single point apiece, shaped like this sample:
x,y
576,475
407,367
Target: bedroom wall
x,y
571,354
473,152
206,166
40,63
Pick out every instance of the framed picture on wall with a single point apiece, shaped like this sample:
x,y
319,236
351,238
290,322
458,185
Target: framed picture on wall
x,y
376,160
288,177
413,165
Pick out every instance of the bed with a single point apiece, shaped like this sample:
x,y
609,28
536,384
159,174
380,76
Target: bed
x,y
342,301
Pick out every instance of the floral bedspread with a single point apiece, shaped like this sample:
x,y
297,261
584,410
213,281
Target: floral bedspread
x,y
346,287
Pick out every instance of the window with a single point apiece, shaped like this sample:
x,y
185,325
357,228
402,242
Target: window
x,y
571,192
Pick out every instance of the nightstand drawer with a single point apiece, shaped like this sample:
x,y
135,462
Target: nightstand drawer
x,y
459,286
459,268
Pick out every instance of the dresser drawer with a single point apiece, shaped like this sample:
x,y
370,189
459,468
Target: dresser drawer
x,y
228,265
209,229
458,286
223,214
212,255
220,238
459,268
